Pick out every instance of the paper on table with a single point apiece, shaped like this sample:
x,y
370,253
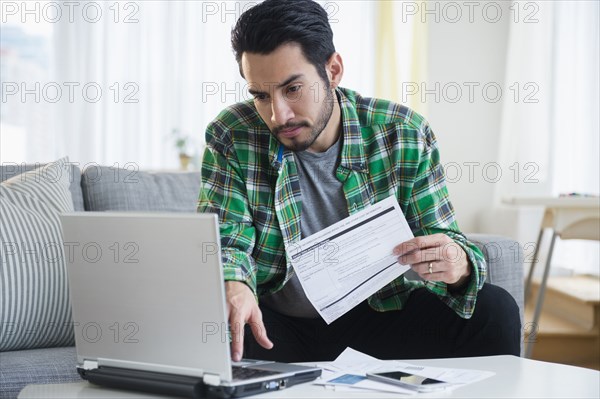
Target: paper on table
x,y
353,382
455,376
354,362
351,360
347,373
342,265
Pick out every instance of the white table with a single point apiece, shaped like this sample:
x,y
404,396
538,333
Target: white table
x,y
515,378
569,217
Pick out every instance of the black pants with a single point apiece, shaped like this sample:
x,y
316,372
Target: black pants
x,y
425,328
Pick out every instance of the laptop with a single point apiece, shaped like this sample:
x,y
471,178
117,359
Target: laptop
x,y
149,308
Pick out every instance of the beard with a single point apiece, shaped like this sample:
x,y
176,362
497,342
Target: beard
x,y
298,144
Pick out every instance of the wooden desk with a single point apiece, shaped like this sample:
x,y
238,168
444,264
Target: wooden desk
x,y
570,217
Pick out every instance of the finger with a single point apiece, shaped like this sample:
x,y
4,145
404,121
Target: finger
x,y
426,255
259,331
419,243
423,271
406,247
439,272
236,326
423,268
433,276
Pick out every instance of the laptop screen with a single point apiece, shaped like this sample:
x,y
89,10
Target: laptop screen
x,y
147,291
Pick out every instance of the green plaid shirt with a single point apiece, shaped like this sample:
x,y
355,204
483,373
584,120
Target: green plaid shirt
x,y
251,182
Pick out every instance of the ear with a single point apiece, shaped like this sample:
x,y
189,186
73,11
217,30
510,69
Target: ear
x,y
335,69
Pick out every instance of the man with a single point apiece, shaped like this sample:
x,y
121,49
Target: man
x,y
304,154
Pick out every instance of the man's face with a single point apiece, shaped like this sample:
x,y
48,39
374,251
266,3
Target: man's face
x,y
289,95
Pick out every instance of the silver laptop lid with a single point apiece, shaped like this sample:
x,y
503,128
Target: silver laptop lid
x,y
147,292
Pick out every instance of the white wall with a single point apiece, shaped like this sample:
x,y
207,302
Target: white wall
x,y
469,50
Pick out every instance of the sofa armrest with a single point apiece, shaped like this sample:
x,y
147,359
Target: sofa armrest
x,y
504,257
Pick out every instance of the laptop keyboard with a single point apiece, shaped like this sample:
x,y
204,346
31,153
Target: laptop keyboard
x,y
245,373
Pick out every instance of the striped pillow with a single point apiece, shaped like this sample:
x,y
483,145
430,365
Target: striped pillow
x,y
35,311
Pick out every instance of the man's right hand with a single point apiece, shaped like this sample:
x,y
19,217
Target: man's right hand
x,y
242,309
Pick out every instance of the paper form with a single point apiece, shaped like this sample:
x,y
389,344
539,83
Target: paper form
x,y
342,265
348,370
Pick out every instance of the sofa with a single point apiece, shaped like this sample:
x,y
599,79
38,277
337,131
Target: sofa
x,y
101,188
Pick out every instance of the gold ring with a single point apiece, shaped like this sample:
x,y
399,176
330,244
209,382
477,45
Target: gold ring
x,y
430,267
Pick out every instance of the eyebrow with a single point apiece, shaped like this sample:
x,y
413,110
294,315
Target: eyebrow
x,y
284,83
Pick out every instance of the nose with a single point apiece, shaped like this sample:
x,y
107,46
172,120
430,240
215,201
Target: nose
x,y
281,112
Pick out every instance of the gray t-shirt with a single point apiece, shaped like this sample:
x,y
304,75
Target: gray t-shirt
x,y
323,204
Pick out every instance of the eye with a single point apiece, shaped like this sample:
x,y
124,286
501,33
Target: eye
x,y
260,97
294,92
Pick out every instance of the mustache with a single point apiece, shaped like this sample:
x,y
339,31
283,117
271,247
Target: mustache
x,y
291,125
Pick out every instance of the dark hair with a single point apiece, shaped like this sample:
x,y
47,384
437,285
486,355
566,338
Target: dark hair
x,y
266,26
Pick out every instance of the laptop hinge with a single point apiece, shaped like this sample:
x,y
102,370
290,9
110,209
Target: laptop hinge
x,y
211,379
90,364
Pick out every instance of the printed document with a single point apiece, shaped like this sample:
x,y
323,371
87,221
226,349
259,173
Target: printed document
x,y
347,373
342,265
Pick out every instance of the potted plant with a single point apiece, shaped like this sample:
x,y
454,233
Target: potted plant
x,y
182,145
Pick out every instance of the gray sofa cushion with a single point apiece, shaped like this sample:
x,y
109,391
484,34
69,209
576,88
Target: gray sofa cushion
x,y
10,169
111,189
36,366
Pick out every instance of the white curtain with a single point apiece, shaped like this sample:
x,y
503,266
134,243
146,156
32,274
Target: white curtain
x,y
160,65
173,68
401,53
550,126
354,38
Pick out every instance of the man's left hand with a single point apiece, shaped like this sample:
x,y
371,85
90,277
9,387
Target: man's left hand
x,y
435,258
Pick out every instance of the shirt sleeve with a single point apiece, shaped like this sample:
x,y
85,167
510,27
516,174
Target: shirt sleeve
x,y
430,212
223,192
